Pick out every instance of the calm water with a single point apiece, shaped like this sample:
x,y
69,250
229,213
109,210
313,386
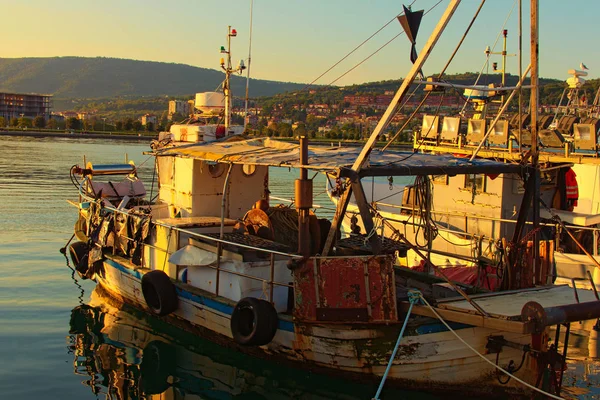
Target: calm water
x,y
57,342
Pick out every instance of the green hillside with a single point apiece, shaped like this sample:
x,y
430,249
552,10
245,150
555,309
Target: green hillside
x,y
81,77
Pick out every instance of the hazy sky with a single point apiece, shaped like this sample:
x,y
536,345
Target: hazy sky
x,y
294,40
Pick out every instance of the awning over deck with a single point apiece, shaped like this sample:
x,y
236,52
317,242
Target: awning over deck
x,y
268,152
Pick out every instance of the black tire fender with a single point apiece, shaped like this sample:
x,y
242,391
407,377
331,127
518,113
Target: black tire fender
x,y
79,256
253,322
159,292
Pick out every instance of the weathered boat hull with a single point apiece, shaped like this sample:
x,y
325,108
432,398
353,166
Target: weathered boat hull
x,y
429,356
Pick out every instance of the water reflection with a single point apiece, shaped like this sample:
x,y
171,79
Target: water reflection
x,y
123,353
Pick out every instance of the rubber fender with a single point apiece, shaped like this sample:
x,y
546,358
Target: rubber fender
x,y
253,322
159,292
79,257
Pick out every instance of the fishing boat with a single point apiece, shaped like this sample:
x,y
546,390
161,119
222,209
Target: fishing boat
x,y
462,219
211,253
119,350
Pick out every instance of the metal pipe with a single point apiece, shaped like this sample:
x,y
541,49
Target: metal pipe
x,y
271,277
224,201
303,188
218,268
560,314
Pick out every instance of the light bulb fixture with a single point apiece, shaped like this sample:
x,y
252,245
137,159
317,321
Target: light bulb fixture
x,y
223,49
222,61
233,32
241,66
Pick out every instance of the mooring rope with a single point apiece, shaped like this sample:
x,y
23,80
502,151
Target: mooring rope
x,y
483,357
413,298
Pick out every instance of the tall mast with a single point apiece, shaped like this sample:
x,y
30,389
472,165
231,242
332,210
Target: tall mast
x,y
227,88
248,72
534,105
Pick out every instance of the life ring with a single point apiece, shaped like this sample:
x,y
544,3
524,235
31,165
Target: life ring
x,y
159,292
253,322
79,252
158,364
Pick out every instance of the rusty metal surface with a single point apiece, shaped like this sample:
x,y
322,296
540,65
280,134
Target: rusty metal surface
x,y
341,284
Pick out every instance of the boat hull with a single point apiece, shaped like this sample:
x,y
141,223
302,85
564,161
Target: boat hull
x,y
429,356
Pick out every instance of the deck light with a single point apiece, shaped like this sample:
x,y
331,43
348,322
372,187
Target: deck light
x,y
222,61
223,49
233,32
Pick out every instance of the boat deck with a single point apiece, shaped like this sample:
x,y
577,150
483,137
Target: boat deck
x,y
508,305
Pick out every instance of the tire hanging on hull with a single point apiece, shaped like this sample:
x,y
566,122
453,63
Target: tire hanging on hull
x,y
159,293
253,322
79,252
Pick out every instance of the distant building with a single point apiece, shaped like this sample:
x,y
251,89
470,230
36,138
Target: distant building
x,y
69,114
15,105
179,107
150,118
57,117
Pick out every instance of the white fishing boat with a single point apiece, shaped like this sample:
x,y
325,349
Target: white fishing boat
x,y
211,254
461,219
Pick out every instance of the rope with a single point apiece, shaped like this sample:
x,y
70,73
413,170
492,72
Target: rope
x,y
353,50
413,298
284,221
487,59
376,51
483,357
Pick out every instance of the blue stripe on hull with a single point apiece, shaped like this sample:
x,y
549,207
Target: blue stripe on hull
x,y
196,298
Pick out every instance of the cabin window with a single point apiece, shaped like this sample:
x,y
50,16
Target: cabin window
x,y
477,180
248,169
216,170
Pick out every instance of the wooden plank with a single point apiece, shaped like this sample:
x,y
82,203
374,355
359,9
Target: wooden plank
x,y
471,319
510,305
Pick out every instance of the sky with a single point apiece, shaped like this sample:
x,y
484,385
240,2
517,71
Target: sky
x,y
297,40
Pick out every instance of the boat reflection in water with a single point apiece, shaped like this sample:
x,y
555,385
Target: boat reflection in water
x,y
128,354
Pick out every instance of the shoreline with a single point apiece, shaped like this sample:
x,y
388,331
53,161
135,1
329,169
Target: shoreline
x,y
38,134
145,138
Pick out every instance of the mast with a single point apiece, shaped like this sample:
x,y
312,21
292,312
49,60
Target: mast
x,y
386,118
248,72
228,68
534,104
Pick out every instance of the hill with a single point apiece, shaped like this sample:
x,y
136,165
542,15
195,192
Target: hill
x,y
82,77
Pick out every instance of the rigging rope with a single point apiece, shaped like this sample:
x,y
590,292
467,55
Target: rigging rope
x,y
487,59
377,51
353,50
439,76
484,358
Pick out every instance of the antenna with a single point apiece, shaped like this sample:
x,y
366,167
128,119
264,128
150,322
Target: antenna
x,y
248,68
